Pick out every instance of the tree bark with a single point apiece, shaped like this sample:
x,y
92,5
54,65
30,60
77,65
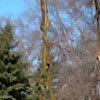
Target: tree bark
x,y
45,23
98,27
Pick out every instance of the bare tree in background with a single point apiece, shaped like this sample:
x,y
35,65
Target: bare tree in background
x,y
74,35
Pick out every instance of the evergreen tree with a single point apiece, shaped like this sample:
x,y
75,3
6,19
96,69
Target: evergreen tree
x,y
14,83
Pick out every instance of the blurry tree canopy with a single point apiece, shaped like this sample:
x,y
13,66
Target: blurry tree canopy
x,y
73,32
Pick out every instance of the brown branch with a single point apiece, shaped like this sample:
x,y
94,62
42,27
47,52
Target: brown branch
x,y
98,28
97,9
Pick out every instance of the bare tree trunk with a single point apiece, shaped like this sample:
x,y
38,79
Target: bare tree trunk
x,y
46,59
98,27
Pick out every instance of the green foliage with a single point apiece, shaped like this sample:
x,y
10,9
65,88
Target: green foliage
x,y
14,83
